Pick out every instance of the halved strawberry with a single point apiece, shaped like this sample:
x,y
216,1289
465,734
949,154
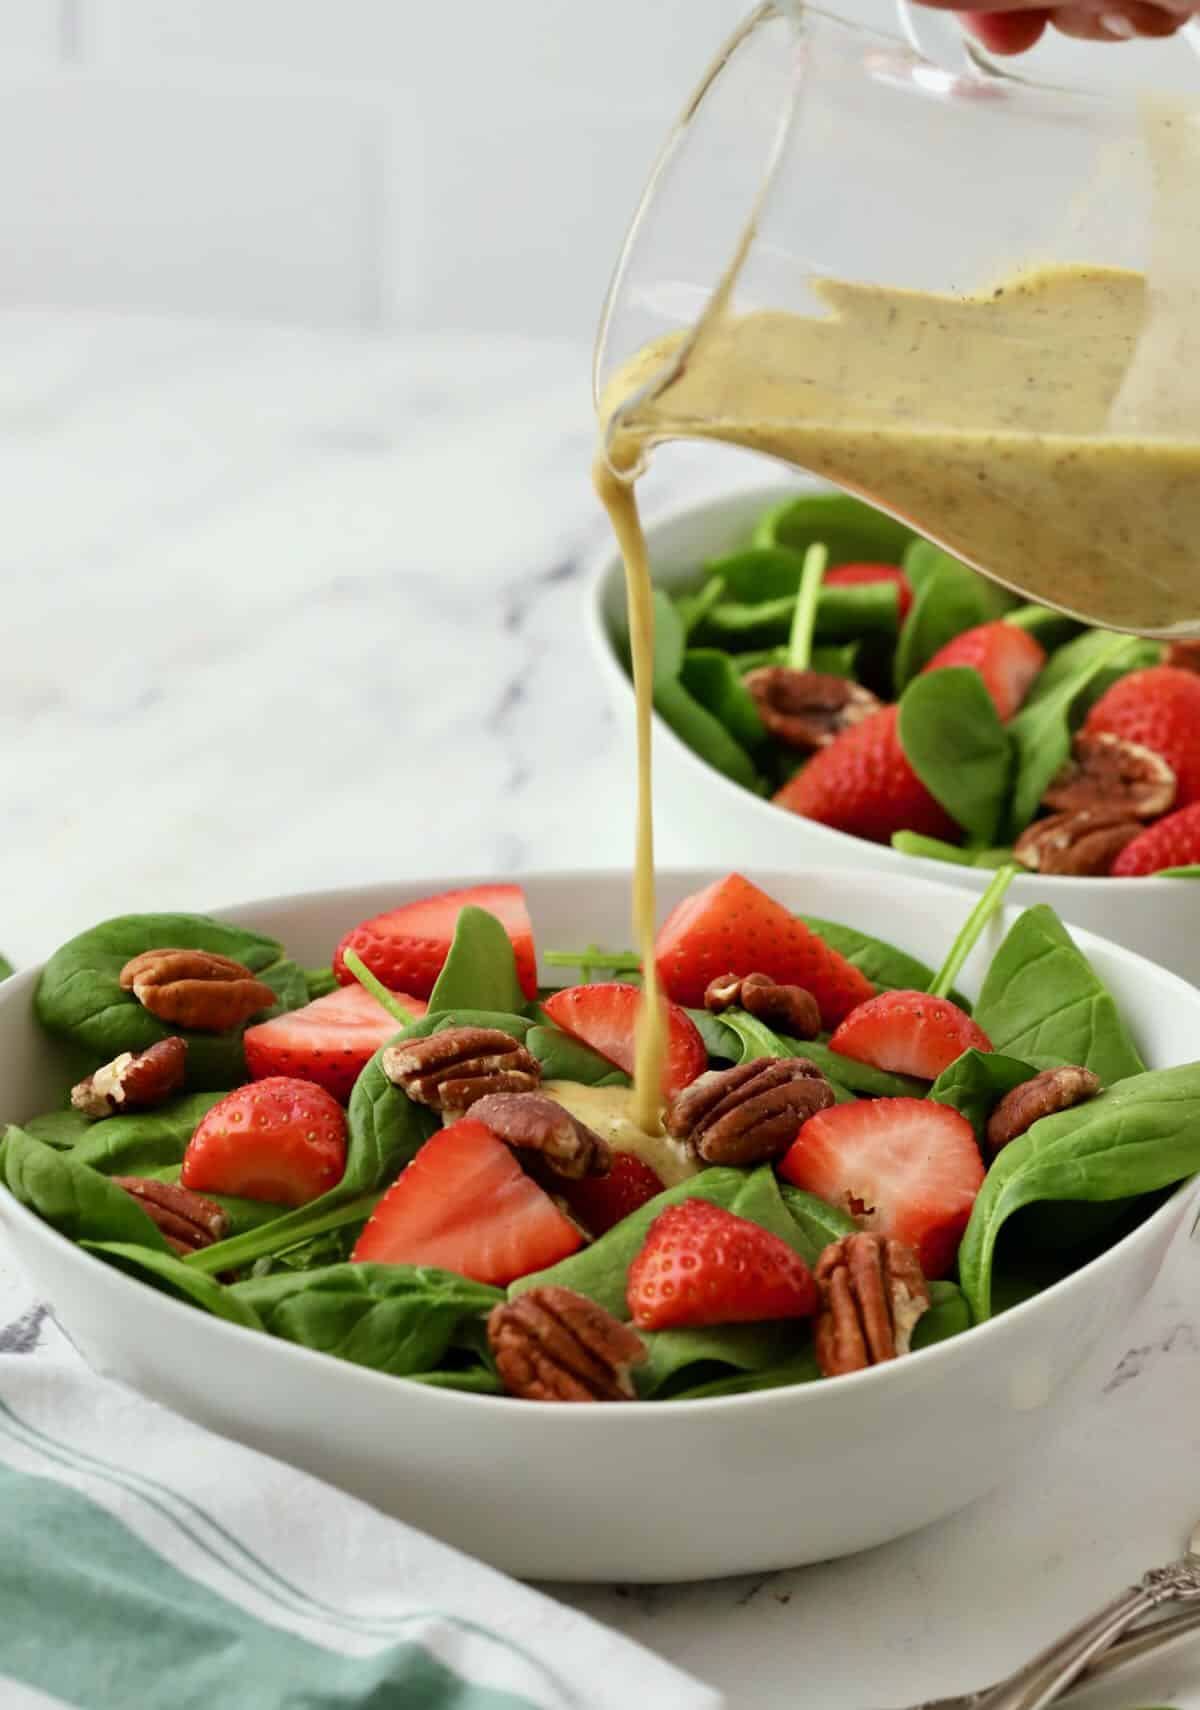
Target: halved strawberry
x,y
406,947
1160,708
846,575
604,1016
465,1204
700,1264
600,1202
329,1041
281,1140
909,1033
1170,842
900,1166
1007,658
731,927
862,783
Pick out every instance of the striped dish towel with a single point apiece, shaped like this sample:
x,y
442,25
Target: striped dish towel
x,y
146,1564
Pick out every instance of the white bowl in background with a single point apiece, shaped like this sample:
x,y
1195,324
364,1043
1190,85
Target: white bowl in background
x,y
631,1491
725,823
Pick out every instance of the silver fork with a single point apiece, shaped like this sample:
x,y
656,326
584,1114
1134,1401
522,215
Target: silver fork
x,y
1096,1645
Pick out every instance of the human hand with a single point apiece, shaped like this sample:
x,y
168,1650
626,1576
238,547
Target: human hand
x,y
1012,26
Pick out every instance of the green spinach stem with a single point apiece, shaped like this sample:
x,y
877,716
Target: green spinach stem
x,y
804,620
286,1231
970,930
377,989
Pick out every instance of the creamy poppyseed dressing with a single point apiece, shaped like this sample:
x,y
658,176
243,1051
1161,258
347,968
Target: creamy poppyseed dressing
x,y
610,1112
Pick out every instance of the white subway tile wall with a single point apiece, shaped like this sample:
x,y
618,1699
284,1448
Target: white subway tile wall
x,y
415,164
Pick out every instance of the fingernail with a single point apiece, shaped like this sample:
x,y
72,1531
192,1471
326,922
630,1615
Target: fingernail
x,y
1116,24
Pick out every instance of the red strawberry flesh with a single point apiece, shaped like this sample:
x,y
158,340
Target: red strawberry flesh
x,y
1170,842
848,575
1007,658
329,1041
281,1140
406,947
1160,708
904,1167
908,1033
700,1265
863,784
733,927
604,1016
601,1202
465,1204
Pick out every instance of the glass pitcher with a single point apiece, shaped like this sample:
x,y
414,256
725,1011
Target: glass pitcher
x,y
966,297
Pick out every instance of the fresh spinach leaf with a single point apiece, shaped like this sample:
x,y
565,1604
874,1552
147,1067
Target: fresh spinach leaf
x,y
1137,1137
163,1270
758,575
61,1128
948,597
856,1077
819,1224
853,531
475,1380
719,1041
566,1059
800,1224
834,661
319,982
933,849
1052,629
705,735
281,1234
1041,731
79,996
975,1083
845,613
800,1367
1093,648
394,1318
669,641
955,743
691,608
674,1355
884,965
77,1201
480,969
1042,998
948,1315
714,682
6,968
599,1271
137,1144
1189,872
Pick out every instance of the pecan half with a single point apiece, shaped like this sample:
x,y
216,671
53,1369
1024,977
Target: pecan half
x,y
530,1123
449,1071
788,1009
196,989
551,1344
1084,844
872,1292
1184,655
807,709
1109,773
750,1113
133,1081
187,1219
1051,1091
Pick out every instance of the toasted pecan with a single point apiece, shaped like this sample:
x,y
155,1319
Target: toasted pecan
x,y
872,1293
196,989
1045,1095
750,1113
551,1344
807,709
451,1070
139,1080
788,1009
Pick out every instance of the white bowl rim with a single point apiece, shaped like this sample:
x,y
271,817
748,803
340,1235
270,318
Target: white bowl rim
x,y
813,1395
604,560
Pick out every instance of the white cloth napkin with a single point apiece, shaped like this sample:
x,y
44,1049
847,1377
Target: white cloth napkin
x,y
146,1564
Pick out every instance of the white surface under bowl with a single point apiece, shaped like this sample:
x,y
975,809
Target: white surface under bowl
x,y
632,1491
712,819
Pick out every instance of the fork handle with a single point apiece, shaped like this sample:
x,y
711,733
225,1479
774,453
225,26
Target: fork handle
x,y
1053,1670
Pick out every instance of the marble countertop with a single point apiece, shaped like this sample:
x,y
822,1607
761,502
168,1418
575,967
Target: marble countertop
x,y
286,609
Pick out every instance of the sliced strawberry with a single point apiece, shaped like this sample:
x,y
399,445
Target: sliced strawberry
x,y
329,1041
847,575
1007,658
465,1204
599,1202
406,947
900,1166
909,1033
281,1140
862,783
1160,708
700,1264
732,927
1170,842
604,1016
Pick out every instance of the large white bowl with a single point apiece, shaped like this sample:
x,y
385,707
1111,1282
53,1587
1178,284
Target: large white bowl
x,y
724,823
633,1491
